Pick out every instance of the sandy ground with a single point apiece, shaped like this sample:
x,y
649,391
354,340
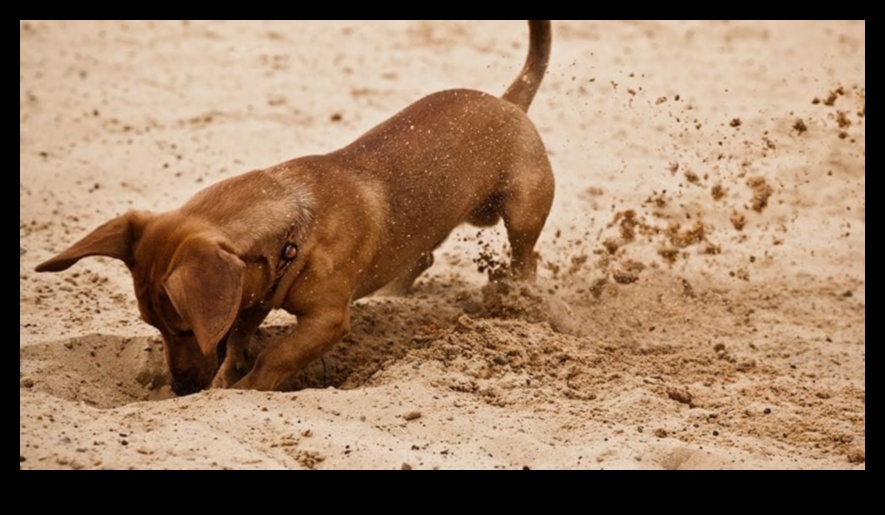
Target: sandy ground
x,y
702,302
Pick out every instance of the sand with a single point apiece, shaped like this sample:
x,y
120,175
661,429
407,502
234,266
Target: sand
x,y
702,299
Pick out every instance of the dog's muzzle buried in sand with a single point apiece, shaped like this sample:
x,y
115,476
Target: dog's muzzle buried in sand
x,y
315,233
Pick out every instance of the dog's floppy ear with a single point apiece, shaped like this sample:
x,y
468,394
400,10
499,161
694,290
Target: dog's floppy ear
x,y
114,239
206,287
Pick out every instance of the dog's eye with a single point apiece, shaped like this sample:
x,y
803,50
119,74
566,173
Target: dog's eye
x,y
184,334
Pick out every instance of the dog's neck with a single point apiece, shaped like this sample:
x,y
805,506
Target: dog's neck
x,y
271,228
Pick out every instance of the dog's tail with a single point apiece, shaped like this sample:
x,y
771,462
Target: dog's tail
x,y
523,89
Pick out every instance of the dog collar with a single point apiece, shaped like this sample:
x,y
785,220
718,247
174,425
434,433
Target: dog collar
x,y
288,254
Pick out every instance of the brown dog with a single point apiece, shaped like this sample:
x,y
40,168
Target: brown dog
x,y
313,234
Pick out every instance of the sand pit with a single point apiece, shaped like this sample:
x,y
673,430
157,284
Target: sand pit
x,y
702,297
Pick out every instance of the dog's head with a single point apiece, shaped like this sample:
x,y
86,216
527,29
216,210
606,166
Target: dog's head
x,y
188,283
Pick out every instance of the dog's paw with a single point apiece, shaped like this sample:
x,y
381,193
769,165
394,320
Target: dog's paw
x,y
227,376
221,382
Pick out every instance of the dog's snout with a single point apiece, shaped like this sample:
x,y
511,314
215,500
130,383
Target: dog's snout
x,y
185,386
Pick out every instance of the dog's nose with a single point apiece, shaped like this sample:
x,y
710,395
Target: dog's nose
x,y
183,387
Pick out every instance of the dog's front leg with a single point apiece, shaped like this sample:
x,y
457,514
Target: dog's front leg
x,y
234,366
312,337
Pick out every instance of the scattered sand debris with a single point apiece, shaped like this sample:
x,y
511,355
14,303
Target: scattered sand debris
x,y
761,192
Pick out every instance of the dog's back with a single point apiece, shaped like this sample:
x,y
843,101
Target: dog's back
x,y
457,156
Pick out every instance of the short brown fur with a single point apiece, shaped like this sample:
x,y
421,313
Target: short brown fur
x,y
364,218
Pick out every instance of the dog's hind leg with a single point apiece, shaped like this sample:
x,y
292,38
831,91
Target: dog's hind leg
x,y
402,285
526,206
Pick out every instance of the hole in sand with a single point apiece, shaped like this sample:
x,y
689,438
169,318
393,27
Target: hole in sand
x,y
99,370
108,371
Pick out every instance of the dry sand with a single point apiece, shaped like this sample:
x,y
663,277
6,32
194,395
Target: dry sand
x,y
702,300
